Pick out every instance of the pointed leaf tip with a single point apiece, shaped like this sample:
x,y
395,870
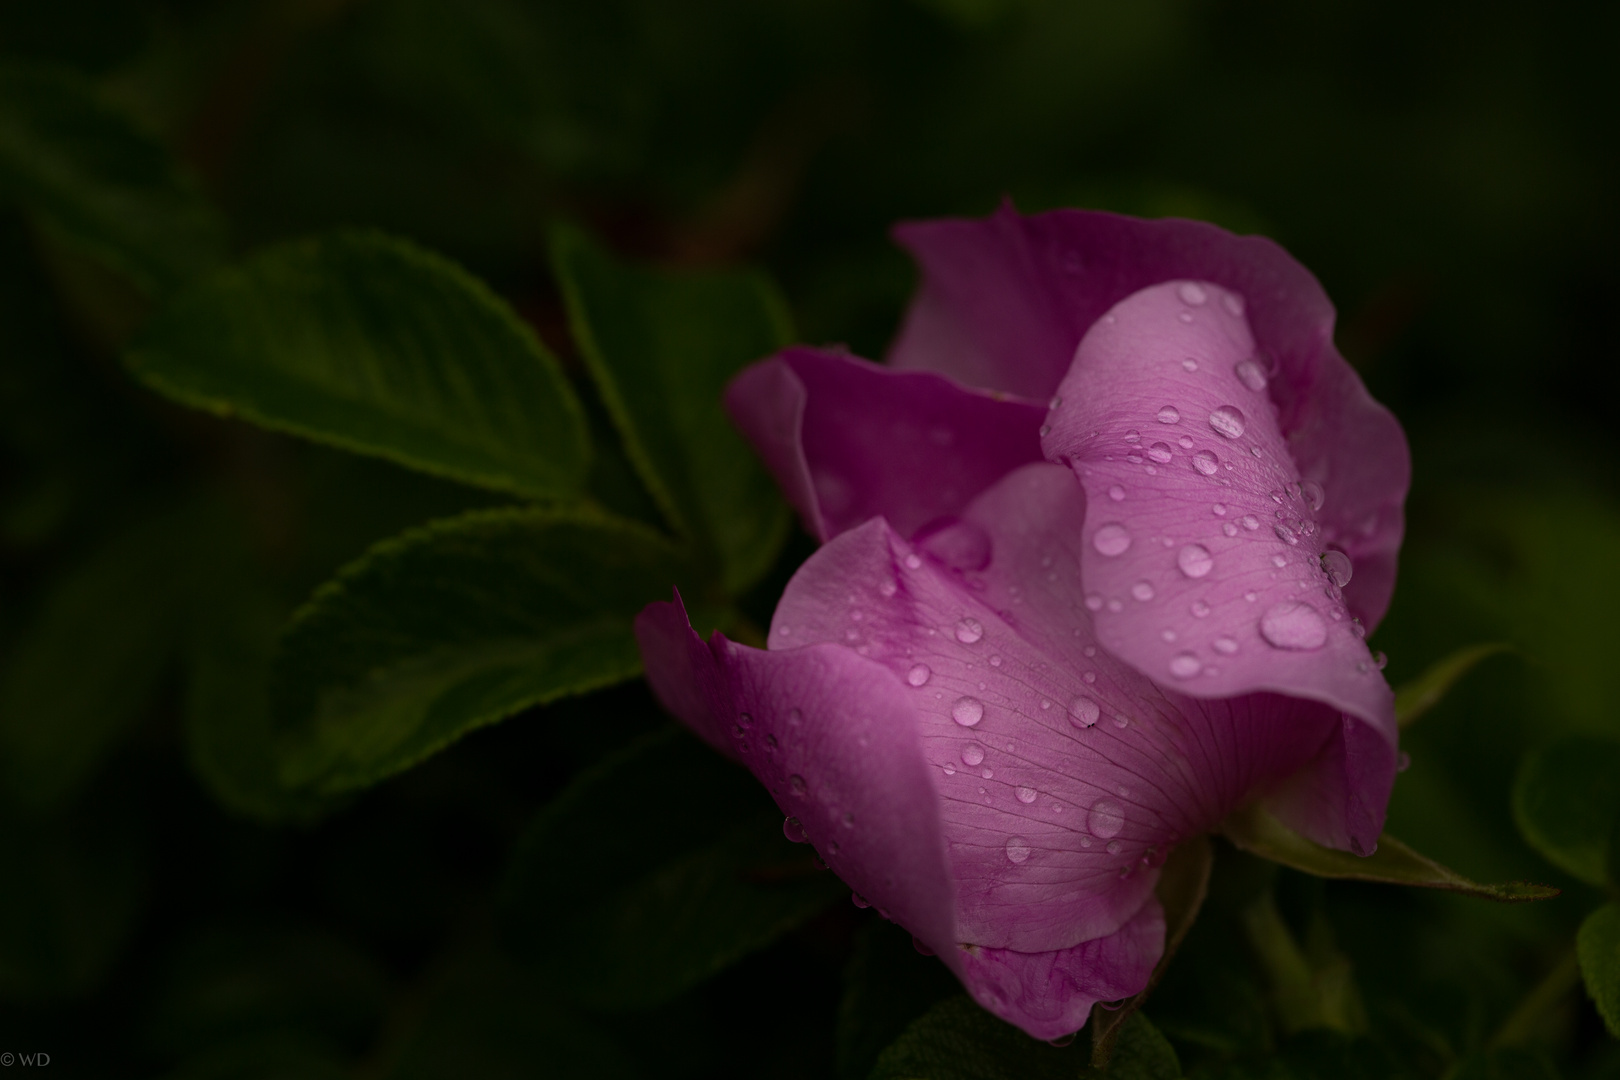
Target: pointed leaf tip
x,y
1423,693
1393,863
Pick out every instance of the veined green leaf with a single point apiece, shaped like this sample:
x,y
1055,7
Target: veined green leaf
x,y
1566,800
374,345
662,347
83,167
1598,946
1423,693
655,870
1256,831
456,625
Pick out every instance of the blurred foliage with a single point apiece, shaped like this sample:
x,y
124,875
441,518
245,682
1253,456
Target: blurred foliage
x,y
206,912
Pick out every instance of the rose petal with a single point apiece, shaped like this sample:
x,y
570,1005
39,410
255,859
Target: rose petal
x,y
1201,545
848,439
1005,301
1093,770
832,736
1050,994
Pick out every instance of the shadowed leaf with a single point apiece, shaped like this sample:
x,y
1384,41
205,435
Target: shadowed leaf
x,y
1423,693
1566,801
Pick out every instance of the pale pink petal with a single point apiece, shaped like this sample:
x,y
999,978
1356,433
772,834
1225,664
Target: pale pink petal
x,y
848,439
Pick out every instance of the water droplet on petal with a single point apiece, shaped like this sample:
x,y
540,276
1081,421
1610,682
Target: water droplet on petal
x,y
796,782
1116,493
1192,293
1403,761
1250,522
1199,609
888,588
1106,819
1184,665
919,675
1111,539
1279,561
1293,624
969,630
1313,494
1380,661
1233,303
1083,712
1228,529
1285,534
967,711
1026,795
1224,645
1063,1040
960,545
1160,452
858,900
973,754
1185,443
1017,849
793,829
949,769
1251,374
913,562
1169,415
1114,847
1093,603
1195,560
1336,564
1142,591
1189,364
1206,462
1228,421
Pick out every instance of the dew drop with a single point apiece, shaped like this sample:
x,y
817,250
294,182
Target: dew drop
x,y
1250,522
1195,560
1403,761
888,588
1063,1040
973,754
967,711
919,675
913,562
1189,364
1185,443
1113,847
1111,539
1026,795
1017,849
1219,509
1116,493
796,782
1083,712
1093,603
950,770
1228,529
1336,565
1233,303
1227,421
1142,591
1224,645
1105,819
1169,415
1285,534
1279,561
969,630
1313,494
1251,374
1192,293
793,829
960,545
1206,462
1293,624
1380,661
1160,452
1184,665
1199,609
858,900
1121,721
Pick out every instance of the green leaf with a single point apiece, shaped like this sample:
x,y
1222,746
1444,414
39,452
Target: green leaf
x,y
371,344
456,625
887,985
1598,946
662,347
652,872
957,1040
1423,693
89,665
1183,885
81,165
1256,831
1566,800
1507,1063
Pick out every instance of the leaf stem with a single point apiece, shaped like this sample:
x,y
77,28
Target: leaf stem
x,y
1527,1021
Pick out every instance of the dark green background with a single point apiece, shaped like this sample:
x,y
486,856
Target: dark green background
x,y
1448,170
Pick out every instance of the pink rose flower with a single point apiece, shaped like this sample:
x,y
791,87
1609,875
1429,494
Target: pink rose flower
x,y
1102,544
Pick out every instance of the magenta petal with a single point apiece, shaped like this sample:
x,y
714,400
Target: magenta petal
x,y
1064,774
1005,301
848,439
1050,994
833,736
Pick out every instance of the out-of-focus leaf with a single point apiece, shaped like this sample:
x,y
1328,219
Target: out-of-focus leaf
x,y
887,985
662,347
1598,946
1423,693
1256,831
83,167
90,663
1509,1063
652,872
494,1022
371,344
1183,884
73,889
1566,800
229,985
957,1040
273,1057
456,625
